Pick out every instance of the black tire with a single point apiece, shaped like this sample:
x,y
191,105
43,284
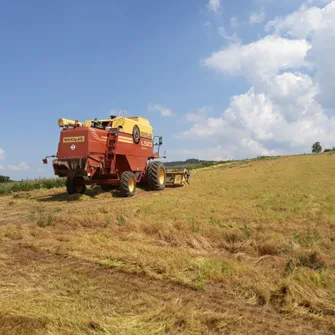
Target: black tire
x,y
73,187
156,176
136,134
127,184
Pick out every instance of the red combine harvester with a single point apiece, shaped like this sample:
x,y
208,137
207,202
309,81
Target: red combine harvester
x,y
118,151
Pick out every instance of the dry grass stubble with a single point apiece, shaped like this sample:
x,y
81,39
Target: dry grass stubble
x,y
241,237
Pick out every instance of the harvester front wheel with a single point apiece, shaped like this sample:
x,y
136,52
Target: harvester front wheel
x,y
73,185
127,184
156,176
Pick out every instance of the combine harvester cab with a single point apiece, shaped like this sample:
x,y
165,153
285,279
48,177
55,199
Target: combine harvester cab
x,y
112,152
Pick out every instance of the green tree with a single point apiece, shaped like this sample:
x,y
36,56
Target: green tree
x,y
316,147
4,179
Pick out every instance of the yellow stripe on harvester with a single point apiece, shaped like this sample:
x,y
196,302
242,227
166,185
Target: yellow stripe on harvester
x,y
125,139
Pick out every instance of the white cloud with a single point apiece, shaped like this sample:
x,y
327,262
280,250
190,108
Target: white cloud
x,y
209,153
261,59
232,38
243,148
284,111
255,124
214,6
304,22
20,167
164,111
256,18
318,26
2,153
199,115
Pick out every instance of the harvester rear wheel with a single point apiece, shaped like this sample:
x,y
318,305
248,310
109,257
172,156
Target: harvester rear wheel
x,y
127,184
73,186
156,176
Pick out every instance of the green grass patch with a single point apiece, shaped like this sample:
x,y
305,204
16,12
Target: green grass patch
x,y
29,185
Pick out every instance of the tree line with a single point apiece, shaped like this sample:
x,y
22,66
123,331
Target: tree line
x,y
317,148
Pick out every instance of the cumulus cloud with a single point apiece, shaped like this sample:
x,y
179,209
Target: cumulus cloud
x,y
214,6
164,111
200,115
256,18
304,22
284,111
254,124
318,26
218,152
261,59
23,166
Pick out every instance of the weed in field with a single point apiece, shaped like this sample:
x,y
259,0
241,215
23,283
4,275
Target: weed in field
x,y
269,247
121,221
13,232
45,220
313,261
233,235
306,240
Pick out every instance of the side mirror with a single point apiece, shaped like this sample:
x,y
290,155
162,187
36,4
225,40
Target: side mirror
x,y
160,140
45,161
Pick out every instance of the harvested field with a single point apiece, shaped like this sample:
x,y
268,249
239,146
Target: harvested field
x,y
246,248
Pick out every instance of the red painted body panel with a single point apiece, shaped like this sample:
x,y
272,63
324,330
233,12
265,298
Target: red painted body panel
x,y
102,155
92,141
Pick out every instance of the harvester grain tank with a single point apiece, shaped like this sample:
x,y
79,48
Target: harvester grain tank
x,y
118,151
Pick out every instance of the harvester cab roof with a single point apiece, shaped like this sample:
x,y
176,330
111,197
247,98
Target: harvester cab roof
x,y
125,124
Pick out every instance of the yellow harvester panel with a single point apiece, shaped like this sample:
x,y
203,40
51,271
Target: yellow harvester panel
x,y
127,124
65,122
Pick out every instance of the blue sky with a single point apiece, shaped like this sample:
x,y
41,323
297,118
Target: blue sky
x,y
177,63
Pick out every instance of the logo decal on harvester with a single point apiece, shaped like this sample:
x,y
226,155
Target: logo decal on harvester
x,y
74,139
145,134
72,147
146,143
